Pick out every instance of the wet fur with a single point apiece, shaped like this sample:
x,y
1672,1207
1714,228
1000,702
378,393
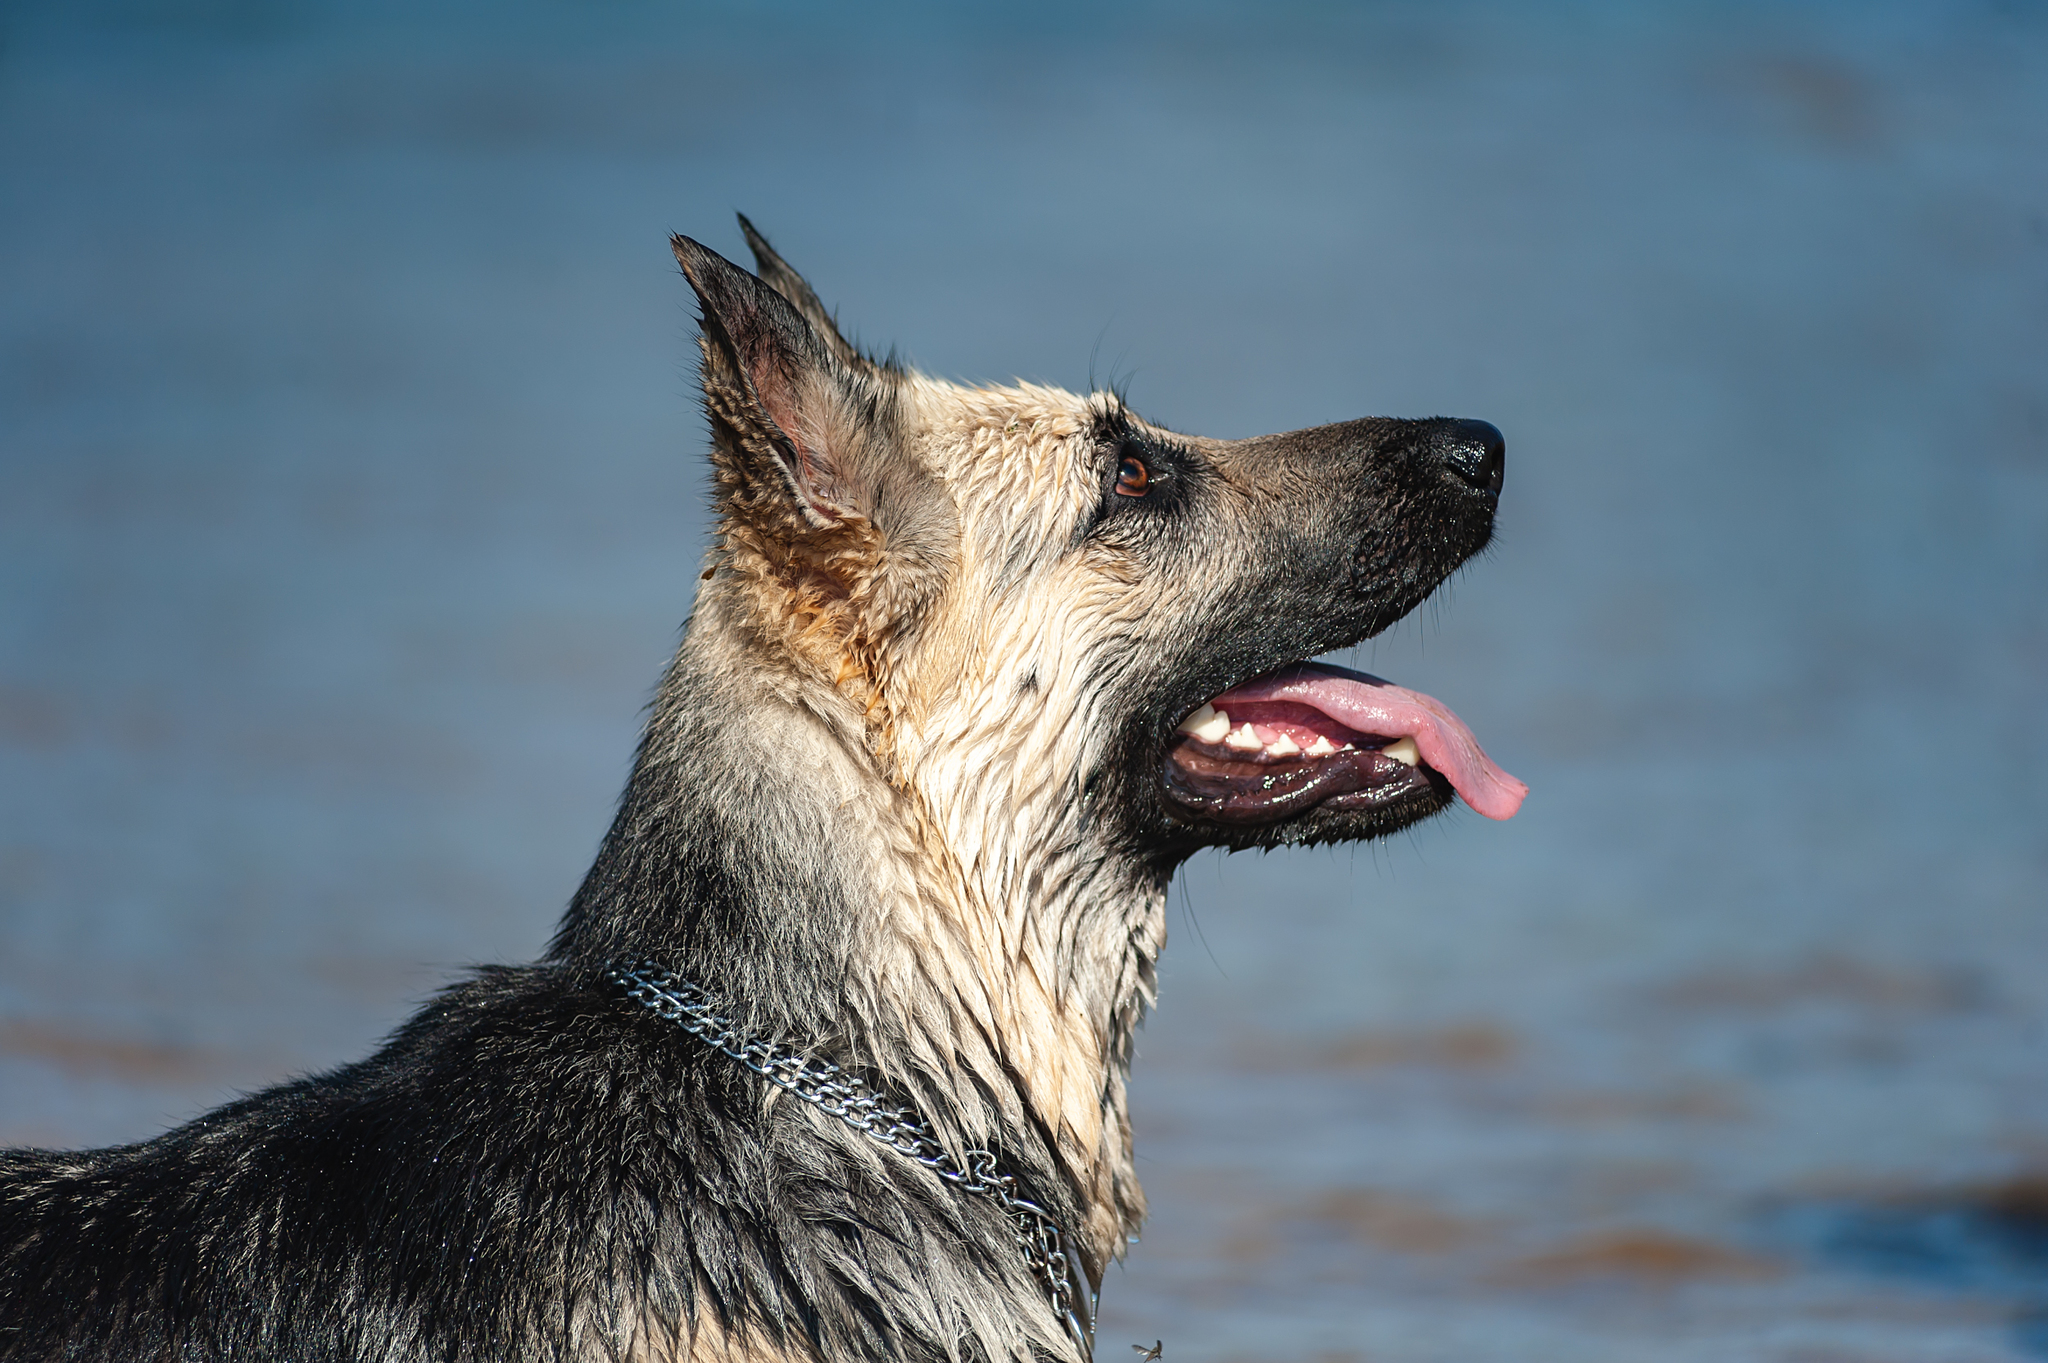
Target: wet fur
x,y
898,798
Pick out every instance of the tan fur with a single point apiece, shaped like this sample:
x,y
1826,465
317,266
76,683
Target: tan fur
x,y
971,845
710,1342
707,1342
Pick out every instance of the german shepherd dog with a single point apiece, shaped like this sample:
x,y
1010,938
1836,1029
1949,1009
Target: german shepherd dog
x,y
827,1060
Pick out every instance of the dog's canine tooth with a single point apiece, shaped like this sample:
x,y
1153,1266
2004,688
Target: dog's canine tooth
x,y
1283,746
1208,724
1403,750
1243,739
1322,747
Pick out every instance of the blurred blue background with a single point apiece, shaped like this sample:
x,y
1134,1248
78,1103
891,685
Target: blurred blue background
x,y
350,499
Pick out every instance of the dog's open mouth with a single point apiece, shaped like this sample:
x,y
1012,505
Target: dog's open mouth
x,y
1312,735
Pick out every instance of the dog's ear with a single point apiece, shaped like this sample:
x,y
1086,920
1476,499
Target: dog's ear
x,y
776,273
790,420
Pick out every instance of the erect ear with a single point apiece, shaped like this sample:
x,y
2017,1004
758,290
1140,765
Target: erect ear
x,y
790,420
777,275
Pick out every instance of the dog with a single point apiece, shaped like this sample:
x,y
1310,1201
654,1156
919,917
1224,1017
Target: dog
x,y
827,1059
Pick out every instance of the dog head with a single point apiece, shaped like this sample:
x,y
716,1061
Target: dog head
x,y
1041,612
973,669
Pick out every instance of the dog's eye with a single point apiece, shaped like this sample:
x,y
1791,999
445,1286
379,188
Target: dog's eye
x,y
1132,477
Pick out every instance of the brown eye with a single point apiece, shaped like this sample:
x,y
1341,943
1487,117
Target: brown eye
x,y
1132,477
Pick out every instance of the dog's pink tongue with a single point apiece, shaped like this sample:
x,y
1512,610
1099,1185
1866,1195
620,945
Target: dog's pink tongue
x,y
1369,705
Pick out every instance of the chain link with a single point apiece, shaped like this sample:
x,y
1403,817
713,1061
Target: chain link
x,y
846,1096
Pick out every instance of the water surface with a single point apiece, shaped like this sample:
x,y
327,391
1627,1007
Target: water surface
x,y
352,502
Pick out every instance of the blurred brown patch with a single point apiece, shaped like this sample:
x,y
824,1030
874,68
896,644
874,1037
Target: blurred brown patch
x,y
1697,1103
1643,1256
34,718
1828,978
113,1057
1819,98
355,744
2023,1200
1243,1246
1615,1188
1832,102
1477,1045
1406,1225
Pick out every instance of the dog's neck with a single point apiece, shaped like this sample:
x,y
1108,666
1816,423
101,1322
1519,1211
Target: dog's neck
x,y
944,919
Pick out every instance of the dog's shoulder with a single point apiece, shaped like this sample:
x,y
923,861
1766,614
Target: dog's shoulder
x,y
521,1122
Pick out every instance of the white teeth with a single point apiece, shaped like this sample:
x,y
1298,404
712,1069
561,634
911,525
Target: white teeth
x,y
1243,739
1283,746
1402,750
1322,747
1208,724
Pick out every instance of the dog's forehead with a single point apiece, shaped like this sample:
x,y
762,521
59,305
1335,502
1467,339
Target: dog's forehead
x,y
995,423
1022,461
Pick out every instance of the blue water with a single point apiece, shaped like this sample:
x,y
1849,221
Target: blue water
x,y
349,503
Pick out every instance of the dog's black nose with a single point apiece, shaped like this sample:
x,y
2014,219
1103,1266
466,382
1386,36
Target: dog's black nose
x,y
1476,453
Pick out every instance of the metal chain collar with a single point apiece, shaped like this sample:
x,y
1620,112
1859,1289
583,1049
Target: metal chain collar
x,y
847,1097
